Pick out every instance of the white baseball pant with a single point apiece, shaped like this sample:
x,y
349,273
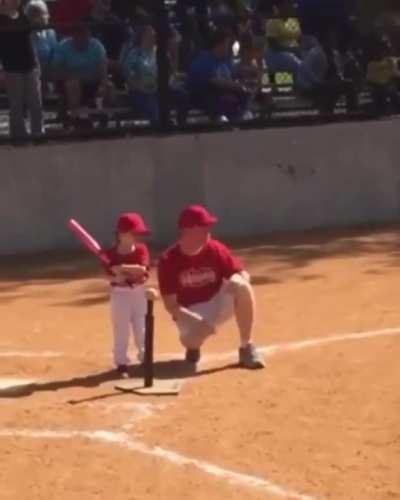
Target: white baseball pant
x,y
128,313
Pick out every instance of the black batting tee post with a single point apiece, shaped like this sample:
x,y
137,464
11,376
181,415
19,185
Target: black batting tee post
x,y
149,346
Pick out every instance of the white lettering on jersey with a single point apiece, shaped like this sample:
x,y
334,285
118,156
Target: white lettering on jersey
x,y
197,277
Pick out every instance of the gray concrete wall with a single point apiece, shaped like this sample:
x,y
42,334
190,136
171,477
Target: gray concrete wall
x,y
255,181
43,187
292,179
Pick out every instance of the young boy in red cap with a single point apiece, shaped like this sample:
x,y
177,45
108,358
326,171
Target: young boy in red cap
x,y
203,285
129,265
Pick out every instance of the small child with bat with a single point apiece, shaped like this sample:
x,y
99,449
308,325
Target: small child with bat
x,y
127,272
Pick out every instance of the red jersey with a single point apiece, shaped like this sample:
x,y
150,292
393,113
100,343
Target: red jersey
x,y
196,278
139,256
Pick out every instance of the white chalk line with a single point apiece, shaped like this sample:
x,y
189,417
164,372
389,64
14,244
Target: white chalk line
x,y
274,349
139,411
125,441
224,356
30,354
181,460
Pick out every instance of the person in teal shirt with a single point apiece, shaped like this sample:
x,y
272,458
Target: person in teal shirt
x,y
80,64
139,68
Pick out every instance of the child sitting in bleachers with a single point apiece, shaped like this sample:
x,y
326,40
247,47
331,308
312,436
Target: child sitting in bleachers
x,y
283,34
249,72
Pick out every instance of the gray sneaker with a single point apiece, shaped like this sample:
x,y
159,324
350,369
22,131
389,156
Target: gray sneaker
x,y
250,358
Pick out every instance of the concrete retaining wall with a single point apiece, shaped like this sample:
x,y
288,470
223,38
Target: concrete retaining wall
x,y
255,181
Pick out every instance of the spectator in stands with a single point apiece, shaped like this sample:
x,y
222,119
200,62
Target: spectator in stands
x,y
249,72
108,28
192,16
321,16
315,81
211,83
80,64
45,40
140,71
22,73
283,34
141,74
383,76
222,14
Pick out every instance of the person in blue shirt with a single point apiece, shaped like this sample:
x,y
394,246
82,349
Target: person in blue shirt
x,y
80,63
211,84
193,25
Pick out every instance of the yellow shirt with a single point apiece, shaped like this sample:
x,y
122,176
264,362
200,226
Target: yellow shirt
x,y
286,32
382,72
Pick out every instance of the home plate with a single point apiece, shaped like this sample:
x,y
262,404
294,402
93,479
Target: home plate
x,y
159,388
14,386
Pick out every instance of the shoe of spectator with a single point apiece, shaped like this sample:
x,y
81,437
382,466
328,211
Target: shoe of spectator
x,y
222,119
248,116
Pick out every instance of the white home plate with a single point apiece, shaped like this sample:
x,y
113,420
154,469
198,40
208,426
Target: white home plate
x,y
11,386
159,388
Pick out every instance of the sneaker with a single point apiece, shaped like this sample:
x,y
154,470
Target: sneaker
x,y
193,356
247,116
250,358
123,371
222,119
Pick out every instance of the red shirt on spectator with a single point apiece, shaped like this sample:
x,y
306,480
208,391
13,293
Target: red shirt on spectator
x,y
70,12
197,278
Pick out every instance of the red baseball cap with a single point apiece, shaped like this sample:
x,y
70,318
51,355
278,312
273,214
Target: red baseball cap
x,y
195,215
130,221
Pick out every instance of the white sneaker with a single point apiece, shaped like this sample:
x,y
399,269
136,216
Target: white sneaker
x,y
248,116
222,119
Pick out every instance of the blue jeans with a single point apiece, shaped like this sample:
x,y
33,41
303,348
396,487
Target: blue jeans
x,y
215,101
147,104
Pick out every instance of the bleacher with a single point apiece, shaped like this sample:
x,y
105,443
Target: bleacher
x,y
284,106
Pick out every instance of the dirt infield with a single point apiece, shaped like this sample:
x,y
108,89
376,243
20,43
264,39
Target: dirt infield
x,y
321,422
